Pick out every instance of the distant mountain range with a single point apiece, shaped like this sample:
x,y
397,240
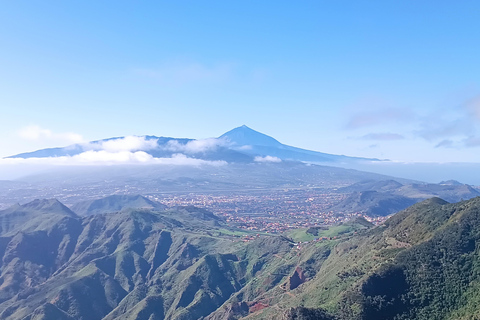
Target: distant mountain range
x,y
241,144
239,160
451,192
385,197
373,203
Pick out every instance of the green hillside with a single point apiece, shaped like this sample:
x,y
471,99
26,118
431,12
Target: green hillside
x,y
115,203
186,263
421,264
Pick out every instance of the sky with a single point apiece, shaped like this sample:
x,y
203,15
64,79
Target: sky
x,y
395,80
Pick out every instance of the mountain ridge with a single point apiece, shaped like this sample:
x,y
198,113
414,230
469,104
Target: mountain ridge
x,y
114,203
244,144
244,135
186,264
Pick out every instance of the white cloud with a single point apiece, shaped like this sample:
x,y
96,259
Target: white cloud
x,y
111,157
136,143
181,159
267,159
37,133
196,146
128,143
130,150
102,157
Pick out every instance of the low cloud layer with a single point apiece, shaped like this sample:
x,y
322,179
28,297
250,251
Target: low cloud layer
x,y
195,146
142,143
267,159
128,143
103,157
131,150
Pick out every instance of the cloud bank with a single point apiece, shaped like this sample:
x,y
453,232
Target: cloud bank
x,y
196,146
130,150
267,159
103,157
128,143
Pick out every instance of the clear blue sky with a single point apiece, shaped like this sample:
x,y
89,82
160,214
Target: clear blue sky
x,y
384,79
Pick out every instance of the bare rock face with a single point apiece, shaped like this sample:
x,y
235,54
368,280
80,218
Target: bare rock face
x,y
296,279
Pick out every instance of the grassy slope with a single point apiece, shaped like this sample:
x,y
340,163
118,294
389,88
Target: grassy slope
x,y
428,253
107,259
186,264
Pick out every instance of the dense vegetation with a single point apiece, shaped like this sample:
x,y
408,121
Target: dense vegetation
x,y
436,279
185,263
421,264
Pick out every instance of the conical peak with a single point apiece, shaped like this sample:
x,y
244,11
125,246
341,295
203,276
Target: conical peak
x,y
244,135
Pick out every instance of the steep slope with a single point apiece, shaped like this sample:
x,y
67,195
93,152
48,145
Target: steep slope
x,y
244,136
115,203
32,215
436,279
184,263
180,263
255,143
421,264
36,239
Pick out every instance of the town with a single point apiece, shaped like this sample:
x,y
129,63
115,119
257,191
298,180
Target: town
x,y
272,211
262,210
